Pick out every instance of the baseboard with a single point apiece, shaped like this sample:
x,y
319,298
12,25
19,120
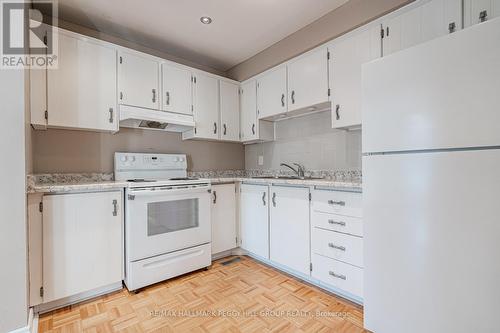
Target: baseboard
x,y
31,323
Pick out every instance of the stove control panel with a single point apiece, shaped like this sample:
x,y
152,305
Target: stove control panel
x,y
144,162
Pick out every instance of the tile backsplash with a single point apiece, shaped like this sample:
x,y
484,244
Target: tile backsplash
x,y
308,140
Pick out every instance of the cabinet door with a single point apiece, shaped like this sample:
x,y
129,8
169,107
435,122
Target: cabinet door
x,y
402,31
289,228
347,58
441,17
223,218
248,102
206,106
308,80
177,89
82,243
82,91
138,81
254,219
477,11
229,111
271,93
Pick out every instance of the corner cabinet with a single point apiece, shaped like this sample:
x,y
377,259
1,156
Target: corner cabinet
x,y
254,219
229,111
177,89
138,80
251,128
223,217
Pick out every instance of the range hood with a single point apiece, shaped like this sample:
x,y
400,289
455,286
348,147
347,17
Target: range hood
x,y
135,117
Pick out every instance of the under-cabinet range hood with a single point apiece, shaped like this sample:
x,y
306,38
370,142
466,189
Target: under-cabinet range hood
x,y
134,117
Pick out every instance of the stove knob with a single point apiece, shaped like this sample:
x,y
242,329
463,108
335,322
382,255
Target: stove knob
x,y
181,159
124,158
133,158
176,159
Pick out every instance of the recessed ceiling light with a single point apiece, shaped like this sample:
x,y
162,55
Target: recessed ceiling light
x,y
205,20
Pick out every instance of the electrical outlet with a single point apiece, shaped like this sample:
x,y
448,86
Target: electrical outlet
x,y
261,160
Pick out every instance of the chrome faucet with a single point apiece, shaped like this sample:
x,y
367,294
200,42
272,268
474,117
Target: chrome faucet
x,y
299,171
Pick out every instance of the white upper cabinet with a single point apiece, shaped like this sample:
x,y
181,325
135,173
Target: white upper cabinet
x,y
477,11
441,17
346,59
81,92
206,106
229,111
138,80
308,80
254,219
177,90
272,93
223,218
248,104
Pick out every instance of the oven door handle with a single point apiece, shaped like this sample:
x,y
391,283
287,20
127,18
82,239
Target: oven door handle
x,y
173,191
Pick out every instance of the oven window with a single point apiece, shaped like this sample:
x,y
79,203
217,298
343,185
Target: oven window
x,y
171,216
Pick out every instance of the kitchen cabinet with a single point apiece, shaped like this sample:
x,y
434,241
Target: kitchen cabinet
x,y
229,111
254,219
289,228
308,80
346,59
138,80
223,214
82,243
272,93
176,89
252,129
206,107
477,11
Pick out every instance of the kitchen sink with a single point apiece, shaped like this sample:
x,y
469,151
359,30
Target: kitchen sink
x,y
287,177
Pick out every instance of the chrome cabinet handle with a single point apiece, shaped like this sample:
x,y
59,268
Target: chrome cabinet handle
x,y
293,96
338,276
336,247
452,27
111,115
264,198
341,223
253,129
483,16
121,95
215,128
282,100
215,197
168,98
225,129
338,203
154,95
337,111
274,199
115,207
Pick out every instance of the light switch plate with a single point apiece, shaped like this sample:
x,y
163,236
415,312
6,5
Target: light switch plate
x,y
261,160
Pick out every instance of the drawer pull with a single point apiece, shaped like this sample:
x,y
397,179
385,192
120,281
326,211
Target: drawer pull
x,y
337,247
338,203
341,223
338,276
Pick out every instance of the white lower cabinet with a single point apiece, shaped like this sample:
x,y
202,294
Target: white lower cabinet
x,y
289,227
254,219
82,243
340,275
223,217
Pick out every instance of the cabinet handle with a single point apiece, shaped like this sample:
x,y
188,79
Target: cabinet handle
x,y
283,100
264,198
338,276
387,31
121,95
483,16
341,223
225,129
154,95
115,207
274,199
336,247
452,27
111,115
338,203
215,197
253,129
293,96
337,111
168,98
215,128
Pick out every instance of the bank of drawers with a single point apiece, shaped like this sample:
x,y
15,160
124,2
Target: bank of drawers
x,y
336,239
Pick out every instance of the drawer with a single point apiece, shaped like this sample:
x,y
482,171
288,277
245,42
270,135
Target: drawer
x,y
340,223
338,274
338,202
331,244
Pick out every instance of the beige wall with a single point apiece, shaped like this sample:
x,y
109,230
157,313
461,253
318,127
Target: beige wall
x,y
81,151
345,18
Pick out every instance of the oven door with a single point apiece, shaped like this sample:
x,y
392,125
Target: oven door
x,y
162,220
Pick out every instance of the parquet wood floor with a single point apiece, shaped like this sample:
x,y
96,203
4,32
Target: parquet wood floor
x,y
245,296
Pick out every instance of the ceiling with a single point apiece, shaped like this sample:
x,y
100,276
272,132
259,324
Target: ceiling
x,y
240,28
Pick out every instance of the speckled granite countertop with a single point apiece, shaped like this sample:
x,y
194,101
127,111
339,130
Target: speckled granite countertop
x,y
60,183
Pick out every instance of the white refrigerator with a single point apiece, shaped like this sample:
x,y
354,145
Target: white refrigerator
x,y
431,186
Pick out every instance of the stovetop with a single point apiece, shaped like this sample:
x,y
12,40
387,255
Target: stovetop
x,y
178,181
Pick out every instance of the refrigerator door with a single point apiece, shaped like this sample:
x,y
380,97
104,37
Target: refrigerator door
x,y
441,94
431,242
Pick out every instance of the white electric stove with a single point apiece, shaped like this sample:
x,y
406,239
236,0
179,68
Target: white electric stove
x,y
167,218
